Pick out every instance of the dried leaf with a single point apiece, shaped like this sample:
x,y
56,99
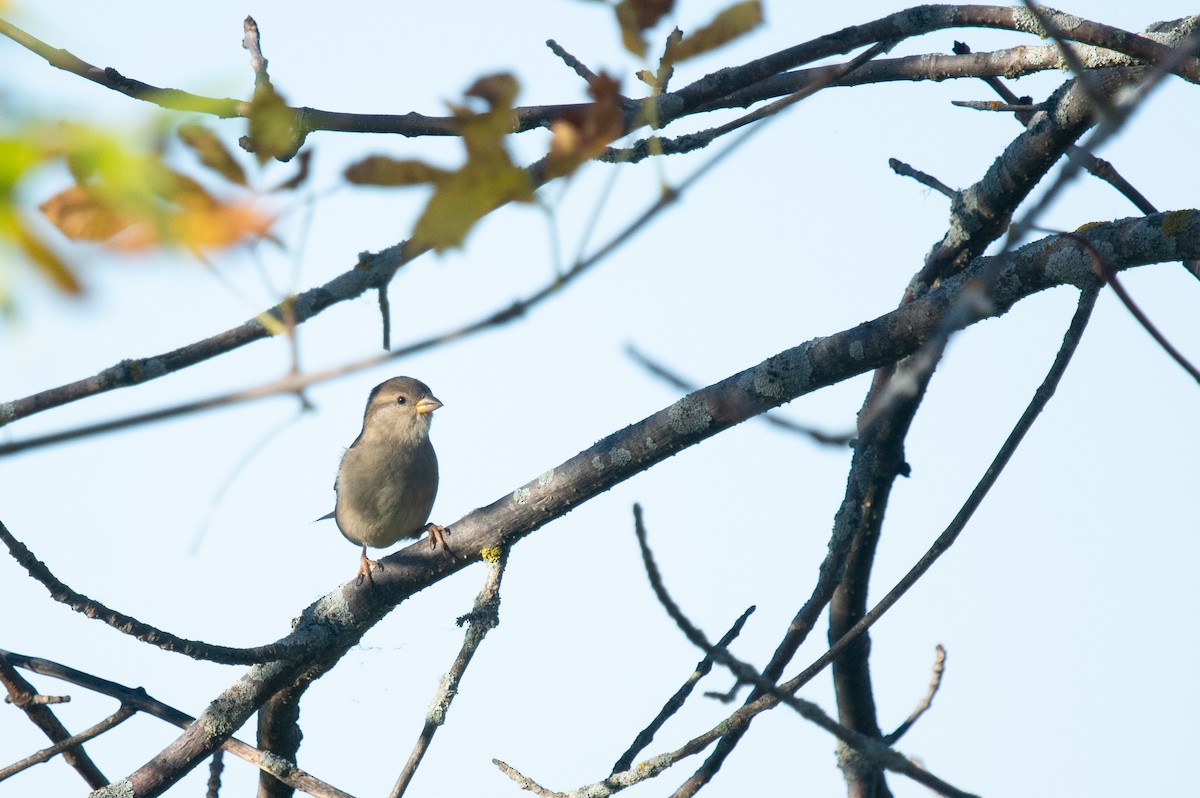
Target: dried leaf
x,y
636,16
212,152
580,135
380,170
728,25
81,216
303,161
485,181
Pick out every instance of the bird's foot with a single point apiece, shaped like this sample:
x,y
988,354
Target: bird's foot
x,y
437,534
364,569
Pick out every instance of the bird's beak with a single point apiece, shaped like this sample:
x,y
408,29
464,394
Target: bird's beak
x,y
428,405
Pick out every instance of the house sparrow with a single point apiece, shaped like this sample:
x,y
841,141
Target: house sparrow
x,y
388,477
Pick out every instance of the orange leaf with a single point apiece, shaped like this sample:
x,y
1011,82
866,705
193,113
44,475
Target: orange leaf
x,y
82,217
218,225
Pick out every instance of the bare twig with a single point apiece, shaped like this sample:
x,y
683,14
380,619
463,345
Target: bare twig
x,y
935,683
577,66
251,42
19,688
35,700
484,617
992,105
676,702
904,170
1105,272
46,754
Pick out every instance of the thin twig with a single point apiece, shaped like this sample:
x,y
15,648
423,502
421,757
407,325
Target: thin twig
x,y
251,42
574,63
935,683
1105,272
676,702
904,170
46,754
18,689
992,105
484,617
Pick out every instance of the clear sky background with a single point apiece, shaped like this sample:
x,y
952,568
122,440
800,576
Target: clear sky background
x,y
1067,608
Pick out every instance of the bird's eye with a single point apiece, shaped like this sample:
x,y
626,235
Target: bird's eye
x,y
401,400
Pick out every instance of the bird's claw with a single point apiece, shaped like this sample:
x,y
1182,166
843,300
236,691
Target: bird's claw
x,y
437,534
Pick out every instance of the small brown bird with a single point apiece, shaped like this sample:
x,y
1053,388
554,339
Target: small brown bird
x,y
388,477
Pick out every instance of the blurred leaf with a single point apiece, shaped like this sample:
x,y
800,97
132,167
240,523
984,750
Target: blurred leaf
x,y
636,16
728,25
47,261
80,216
218,224
485,181
303,161
582,134
17,155
212,152
131,201
380,170
272,125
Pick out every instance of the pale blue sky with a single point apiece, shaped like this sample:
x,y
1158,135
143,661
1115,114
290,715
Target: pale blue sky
x,y
1067,607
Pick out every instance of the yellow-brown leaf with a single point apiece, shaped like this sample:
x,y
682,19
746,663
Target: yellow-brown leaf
x,y
380,170
728,25
212,152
